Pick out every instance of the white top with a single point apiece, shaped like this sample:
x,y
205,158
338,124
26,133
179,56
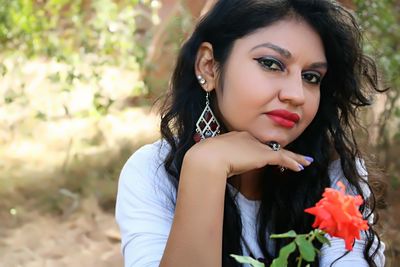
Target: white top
x,y
145,213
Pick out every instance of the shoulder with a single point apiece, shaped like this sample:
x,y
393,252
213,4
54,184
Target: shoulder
x,y
146,161
335,168
144,175
336,174
149,154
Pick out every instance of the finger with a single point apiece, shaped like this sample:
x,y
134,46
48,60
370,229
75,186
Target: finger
x,y
283,159
291,163
288,159
303,160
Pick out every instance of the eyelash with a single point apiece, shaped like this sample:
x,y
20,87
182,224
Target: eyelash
x,y
268,63
314,75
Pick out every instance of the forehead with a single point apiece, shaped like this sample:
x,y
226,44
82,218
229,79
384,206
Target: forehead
x,y
292,34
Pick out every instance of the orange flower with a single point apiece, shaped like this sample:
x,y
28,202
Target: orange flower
x,y
338,215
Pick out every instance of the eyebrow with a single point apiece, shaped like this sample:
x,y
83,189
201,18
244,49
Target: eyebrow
x,y
319,65
278,49
285,53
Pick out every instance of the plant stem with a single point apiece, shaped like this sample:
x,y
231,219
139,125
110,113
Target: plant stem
x,y
312,237
299,262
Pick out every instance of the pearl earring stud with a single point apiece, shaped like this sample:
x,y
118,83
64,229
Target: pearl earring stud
x,y
201,80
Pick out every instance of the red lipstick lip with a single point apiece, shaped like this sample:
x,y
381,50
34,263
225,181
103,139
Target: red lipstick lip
x,y
283,117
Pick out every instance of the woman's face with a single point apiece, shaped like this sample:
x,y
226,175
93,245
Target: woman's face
x,y
271,82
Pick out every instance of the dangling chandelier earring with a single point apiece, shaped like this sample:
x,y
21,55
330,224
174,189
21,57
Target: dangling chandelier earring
x,y
207,125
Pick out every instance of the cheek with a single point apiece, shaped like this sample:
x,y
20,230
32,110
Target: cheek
x,y
312,105
235,105
247,86
242,93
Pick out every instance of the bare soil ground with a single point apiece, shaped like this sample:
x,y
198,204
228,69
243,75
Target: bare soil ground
x,y
58,186
88,237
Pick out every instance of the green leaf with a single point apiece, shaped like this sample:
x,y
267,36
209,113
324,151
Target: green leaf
x,y
249,260
306,248
321,238
282,260
291,233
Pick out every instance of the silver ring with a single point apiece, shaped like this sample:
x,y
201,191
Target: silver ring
x,y
274,145
282,169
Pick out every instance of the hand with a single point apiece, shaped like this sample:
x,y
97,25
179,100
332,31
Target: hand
x,y
240,152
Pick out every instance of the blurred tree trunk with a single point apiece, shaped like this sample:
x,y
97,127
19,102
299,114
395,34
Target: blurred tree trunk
x,y
157,65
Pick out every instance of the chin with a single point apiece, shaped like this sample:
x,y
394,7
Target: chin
x,y
268,138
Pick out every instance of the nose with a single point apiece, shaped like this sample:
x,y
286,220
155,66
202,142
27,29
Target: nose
x,y
292,90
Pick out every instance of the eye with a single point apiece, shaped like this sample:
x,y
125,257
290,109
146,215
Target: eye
x,y
270,63
312,77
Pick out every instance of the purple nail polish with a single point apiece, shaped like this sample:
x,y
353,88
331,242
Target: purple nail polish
x,y
309,159
301,167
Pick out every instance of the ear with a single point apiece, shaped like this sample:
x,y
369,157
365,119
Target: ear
x,y
205,66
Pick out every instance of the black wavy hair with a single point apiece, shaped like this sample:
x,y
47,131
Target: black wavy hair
x,y
348,85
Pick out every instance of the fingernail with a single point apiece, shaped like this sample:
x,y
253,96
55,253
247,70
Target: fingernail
x,y
309,159
301,167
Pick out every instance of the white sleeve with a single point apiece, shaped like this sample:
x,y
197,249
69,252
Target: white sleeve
x,y
141,212
355,257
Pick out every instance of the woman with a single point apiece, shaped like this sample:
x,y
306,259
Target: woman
x,y
258,121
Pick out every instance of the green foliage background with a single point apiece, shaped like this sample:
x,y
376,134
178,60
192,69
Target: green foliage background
x,y
96,33
381,24
65,28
